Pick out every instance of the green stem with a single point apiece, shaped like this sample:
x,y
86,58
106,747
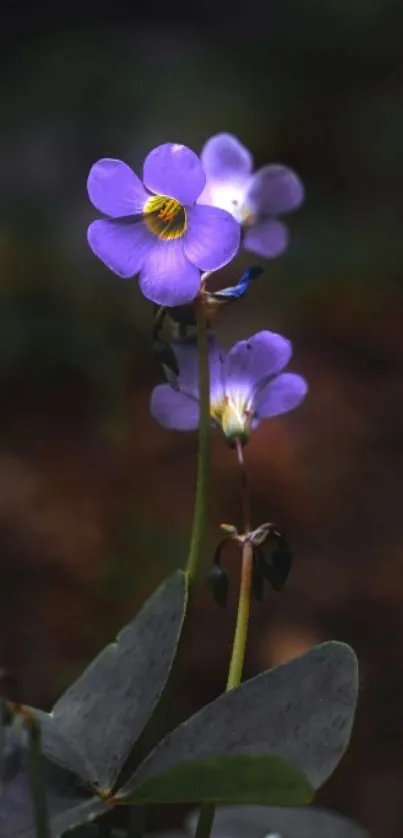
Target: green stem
x,y
197,543
37,780
242,620
198,537
206,817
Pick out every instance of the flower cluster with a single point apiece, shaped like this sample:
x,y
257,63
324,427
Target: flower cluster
x,y
185,218
187,215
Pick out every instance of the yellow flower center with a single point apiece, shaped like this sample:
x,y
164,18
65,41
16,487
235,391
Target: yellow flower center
x,y
234,416
165,217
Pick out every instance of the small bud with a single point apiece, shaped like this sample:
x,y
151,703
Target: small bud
x,y
229,528
277,567
218,581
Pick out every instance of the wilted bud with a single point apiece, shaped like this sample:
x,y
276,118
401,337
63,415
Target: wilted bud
x,y
234,292
218,581
277,566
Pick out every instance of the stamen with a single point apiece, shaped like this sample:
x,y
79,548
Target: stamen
x,y
165,217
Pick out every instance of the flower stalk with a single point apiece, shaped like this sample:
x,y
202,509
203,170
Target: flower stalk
x,y
197,539
242,620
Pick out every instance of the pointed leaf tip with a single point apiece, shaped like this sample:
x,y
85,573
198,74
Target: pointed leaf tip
x,y
104,712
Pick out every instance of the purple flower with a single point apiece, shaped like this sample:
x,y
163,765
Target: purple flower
x,y
253,199
245,386
155,228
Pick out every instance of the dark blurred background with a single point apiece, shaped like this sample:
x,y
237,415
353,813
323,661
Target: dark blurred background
x,y
95,498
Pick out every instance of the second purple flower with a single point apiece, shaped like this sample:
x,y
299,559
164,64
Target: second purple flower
x,y
246,385
255,199
154,226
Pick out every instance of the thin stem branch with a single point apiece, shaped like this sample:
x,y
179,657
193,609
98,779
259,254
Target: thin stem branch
x,y
198,537
245,495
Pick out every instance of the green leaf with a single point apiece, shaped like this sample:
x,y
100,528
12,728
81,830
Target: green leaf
x,y
257,821
100,717
301,711
243,778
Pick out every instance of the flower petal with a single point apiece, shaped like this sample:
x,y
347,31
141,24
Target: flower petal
x,y
268,239
176,171
224,158
281,395
167,277
273,190
251,361
173,409
122,247
212,237
114,189
227,195
186,354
